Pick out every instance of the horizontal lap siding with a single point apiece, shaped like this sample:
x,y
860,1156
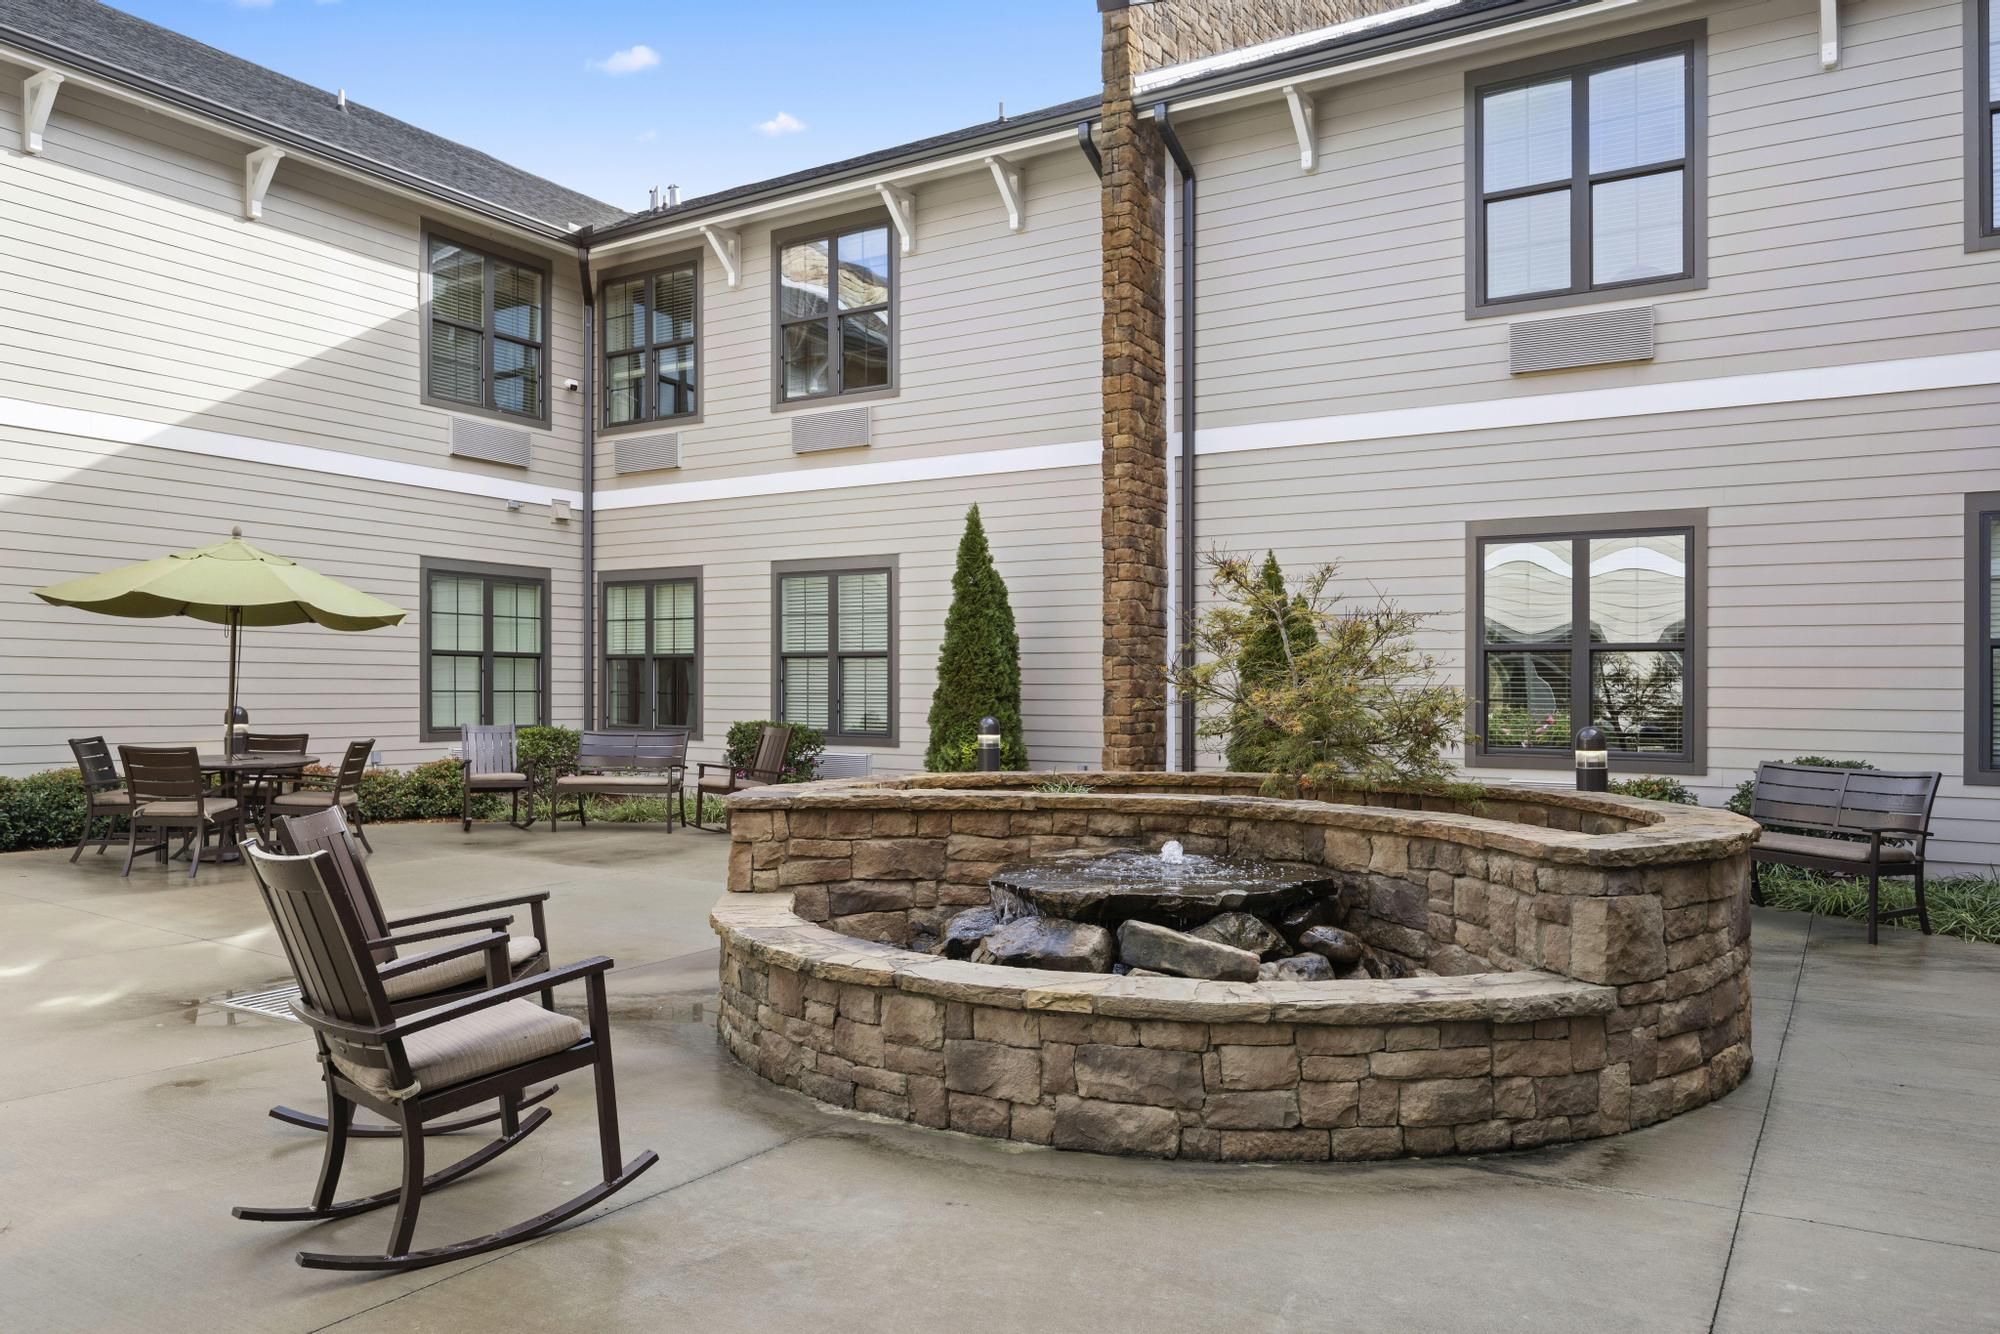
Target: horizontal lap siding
x,y
133,285
1044,532
998,335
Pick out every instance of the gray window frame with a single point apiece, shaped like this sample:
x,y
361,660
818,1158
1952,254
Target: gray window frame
x,y
651,270
488,573
829,229
833,568
1693,760
1577,65
1982,228
610,579
489,251
1981,635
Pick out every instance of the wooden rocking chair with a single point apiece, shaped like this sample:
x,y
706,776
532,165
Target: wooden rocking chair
x,y
766,768
412,991
415,1069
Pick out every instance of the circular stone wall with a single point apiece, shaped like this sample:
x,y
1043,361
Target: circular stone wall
x,y
1584,966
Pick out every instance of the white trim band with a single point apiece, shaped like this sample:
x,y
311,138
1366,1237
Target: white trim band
x,y
881,472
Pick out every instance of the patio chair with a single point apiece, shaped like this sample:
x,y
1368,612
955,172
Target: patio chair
x,y
258,789
766,767
492,764
413,1069
168,793
327,831
344,795
104,794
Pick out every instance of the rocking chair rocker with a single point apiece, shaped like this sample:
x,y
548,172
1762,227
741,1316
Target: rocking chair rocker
x,y
414,1069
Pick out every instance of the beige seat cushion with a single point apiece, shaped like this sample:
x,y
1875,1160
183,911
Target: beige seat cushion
x,y
457,972
477,782
310,800
1839,849
480,1043
618,783
114,797
215,808
721,783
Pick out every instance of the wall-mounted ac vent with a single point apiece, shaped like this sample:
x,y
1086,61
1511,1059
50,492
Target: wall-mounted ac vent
x,y
818,432
1596,339
472,438
842,764
645,453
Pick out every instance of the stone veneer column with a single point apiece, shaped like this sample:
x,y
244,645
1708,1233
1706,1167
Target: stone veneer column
x,y
1135,423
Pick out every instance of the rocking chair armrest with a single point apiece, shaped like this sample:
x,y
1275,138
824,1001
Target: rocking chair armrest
x,y
442,914
701,769
517,989
477,945
397,939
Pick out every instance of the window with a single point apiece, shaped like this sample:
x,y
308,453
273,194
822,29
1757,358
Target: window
x,y
1982,638
1587,177
652,650
834,297
1982,130
1587,621
485,337
651,326
835,667
485,654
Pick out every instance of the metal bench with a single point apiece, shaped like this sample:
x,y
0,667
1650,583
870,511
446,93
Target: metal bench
x,y
1884,817
624,764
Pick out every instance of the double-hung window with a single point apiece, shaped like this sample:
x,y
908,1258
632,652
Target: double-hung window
x,y
1587,177
1594,623
834,299
485,646
651,651
1982,130
486,332
835,659
651,326
1982,638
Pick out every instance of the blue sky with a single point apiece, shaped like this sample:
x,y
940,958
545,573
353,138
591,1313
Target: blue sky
x,y
612,97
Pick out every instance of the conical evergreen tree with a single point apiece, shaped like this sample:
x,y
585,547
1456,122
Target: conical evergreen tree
x,y
1263,663
979,664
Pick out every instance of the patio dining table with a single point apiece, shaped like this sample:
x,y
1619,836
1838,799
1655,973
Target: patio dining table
x,y
238,771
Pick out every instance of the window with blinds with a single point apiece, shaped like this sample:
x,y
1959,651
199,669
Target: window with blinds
x,y
834,659
651,327
1584,176
651,648
486,647
1982,193
485,334
1982,657
1577,629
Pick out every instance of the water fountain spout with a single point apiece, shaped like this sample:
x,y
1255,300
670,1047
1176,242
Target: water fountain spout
x,y
1171,853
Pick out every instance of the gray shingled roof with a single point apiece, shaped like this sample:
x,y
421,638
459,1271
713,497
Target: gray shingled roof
x,y
116,46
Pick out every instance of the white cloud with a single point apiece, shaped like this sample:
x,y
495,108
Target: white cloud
x,y
647,136
629,61
782,123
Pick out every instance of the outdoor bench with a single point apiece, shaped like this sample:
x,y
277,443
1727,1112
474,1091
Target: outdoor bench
x,y
624,764
1853,822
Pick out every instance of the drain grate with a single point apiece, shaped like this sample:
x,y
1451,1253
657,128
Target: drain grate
x,y
274,1003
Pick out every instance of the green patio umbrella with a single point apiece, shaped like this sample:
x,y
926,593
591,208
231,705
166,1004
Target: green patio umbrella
x,y
233,584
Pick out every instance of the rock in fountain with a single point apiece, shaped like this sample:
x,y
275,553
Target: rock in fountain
x,y
1181,891
1297,968
1340,948
1048,942
1143,945
962,934
1244,932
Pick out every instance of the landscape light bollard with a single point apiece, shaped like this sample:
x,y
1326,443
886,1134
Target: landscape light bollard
x,y
989,745
1593,762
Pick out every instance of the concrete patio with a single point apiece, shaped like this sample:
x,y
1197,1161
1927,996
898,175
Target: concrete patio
x,y
1851,1184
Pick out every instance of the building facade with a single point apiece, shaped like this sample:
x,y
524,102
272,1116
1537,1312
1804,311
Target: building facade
x,y
1648,348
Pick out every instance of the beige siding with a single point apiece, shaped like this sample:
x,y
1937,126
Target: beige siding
x,y
1043,527
998,333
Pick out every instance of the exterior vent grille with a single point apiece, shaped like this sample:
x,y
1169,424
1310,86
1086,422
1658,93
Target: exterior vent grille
x,y
842,764
644,453
846,429
475,439
1596,339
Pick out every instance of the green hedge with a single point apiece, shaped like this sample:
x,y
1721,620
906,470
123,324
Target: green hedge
x,y
43,810
1657,788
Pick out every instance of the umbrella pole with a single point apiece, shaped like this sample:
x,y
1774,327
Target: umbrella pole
x,y
229,718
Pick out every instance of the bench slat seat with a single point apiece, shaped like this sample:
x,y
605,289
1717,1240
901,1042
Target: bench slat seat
x,y
1857,822
1773,844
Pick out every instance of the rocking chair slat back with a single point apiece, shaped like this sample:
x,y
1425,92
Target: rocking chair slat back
x,y
162,773
489,750
326,831
771,747
94,762
317,926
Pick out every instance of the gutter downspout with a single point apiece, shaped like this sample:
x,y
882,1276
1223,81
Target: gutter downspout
x,y
1184,594
589,489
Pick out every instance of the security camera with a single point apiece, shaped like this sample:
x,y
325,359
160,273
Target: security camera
x,y
571,385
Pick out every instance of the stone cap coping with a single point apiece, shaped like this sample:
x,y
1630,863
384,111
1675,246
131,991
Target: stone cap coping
x,y
1663,834
765,926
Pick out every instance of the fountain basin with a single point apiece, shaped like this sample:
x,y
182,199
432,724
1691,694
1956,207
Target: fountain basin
x,y
1128,884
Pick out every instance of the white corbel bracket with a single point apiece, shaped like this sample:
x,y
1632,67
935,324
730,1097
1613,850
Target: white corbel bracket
x,y
1305,124
259,166
902,206
1829,34
728,248
1007,177
38,98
